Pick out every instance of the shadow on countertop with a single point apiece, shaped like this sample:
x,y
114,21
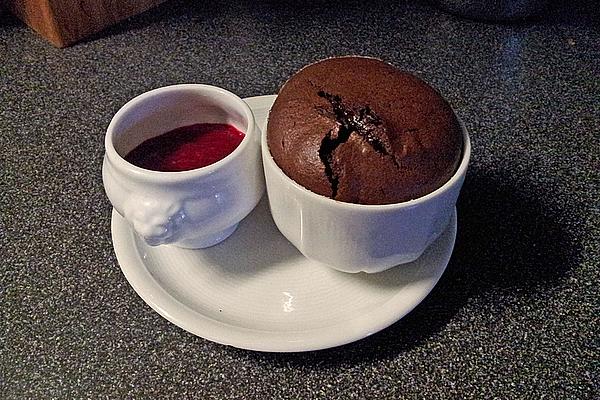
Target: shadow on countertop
x,y
562,12
569,12
7,20
575,12
509,243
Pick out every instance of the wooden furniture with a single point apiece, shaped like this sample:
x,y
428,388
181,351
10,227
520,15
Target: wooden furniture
x,y
64,22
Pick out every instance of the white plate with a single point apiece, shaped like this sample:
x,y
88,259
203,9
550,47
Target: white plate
x,y
256,291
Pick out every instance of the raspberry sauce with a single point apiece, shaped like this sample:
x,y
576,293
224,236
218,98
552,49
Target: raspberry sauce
x,y
186,148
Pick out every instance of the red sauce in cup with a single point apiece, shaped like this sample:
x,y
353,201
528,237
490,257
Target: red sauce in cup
x,y
186,148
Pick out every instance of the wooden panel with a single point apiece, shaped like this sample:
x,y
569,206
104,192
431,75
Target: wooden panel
x,y
63,22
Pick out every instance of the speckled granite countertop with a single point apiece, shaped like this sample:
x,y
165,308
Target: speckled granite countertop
x,y
516,314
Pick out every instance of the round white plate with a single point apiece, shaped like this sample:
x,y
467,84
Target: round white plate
x,y
256,291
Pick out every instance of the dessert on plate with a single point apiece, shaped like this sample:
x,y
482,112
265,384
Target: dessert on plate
x,y
359,130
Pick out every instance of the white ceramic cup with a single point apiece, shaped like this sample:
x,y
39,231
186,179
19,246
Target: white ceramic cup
x,y
355,237
192,209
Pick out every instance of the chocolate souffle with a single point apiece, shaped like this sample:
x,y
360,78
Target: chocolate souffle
x,y
359,130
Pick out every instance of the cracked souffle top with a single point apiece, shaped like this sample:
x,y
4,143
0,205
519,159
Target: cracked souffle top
x,y
359,130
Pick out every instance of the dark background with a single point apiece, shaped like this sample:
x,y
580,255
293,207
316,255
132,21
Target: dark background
x,y
516,315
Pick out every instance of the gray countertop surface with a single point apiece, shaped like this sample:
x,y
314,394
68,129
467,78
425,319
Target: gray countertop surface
x,y
516,315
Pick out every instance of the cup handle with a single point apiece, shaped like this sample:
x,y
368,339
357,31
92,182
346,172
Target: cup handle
x,y
157,221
